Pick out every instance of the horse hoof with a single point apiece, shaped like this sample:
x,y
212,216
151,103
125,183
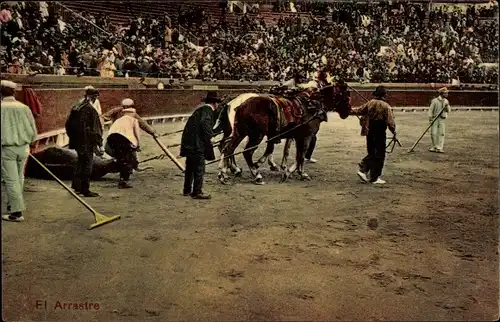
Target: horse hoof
x,y
259,182
284,177
224,181
221,178
237,172
305,177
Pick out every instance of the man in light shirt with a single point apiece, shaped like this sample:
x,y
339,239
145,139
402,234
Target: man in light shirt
x,y
18,132
123,142
440,107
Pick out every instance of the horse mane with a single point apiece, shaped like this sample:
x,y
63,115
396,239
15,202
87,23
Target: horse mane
x,y
339,94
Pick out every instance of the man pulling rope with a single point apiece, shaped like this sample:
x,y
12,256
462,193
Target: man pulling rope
x,y
376,117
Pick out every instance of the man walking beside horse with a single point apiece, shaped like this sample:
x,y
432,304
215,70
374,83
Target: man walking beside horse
x,y
196,145
376,117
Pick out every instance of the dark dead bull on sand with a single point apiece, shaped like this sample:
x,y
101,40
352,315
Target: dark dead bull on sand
x,y
61,162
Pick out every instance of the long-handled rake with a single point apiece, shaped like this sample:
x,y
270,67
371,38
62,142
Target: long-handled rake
x,y
99,218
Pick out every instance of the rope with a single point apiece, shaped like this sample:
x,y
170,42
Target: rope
x,y
392,144
158,157
394,138
163,156
170,133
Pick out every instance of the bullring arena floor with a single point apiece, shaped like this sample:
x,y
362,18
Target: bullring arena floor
x,y
293,251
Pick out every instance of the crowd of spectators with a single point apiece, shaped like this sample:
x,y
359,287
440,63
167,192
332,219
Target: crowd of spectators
x,y
398,42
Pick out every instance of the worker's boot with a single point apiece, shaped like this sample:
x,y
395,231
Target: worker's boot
x,y
201,196
123,184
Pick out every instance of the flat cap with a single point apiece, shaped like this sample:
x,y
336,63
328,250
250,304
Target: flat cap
x,y
8,84
443,90
127,102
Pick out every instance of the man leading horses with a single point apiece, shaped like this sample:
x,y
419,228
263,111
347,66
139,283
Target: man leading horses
x,y
376,117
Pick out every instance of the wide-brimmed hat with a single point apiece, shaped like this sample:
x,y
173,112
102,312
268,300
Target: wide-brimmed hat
x,y
380,91
212,98
91,91
443,90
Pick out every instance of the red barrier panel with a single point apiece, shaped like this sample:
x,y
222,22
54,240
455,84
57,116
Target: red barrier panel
x,y
56,103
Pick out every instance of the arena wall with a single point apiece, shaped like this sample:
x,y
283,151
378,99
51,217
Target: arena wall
x,y
56,103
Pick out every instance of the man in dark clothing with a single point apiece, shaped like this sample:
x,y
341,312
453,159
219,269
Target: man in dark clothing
x,y
197,147
84,130
310,150
376,117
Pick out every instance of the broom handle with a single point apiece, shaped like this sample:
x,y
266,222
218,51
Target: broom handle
x,y
427,129
64,186
170,155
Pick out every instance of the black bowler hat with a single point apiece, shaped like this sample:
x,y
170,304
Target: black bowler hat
x,y
91,91
212,98
380,91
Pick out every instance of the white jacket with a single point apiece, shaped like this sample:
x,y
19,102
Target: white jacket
x,y
128,126
439,104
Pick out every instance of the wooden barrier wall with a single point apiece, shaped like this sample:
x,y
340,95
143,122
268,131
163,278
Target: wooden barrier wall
x,y
56,103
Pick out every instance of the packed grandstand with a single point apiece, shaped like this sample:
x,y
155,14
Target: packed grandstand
x,y
398,41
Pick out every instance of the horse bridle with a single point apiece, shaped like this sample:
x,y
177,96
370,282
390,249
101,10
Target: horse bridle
x,y
336,95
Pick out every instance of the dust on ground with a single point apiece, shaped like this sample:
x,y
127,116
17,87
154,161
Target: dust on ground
x,y
423,247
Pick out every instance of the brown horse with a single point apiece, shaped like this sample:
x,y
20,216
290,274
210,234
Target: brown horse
x,y
296,118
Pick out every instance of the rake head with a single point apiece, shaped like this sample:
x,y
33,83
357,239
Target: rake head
x,y
102,220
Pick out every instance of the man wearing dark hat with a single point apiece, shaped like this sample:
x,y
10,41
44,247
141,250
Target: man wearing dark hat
x,y
376,117
197,147
84,130
96,104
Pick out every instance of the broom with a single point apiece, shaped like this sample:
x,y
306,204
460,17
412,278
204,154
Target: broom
x,y
99,218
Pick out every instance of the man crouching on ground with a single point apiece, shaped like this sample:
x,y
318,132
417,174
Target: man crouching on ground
x,y
116,112
197,147
123,142
376,117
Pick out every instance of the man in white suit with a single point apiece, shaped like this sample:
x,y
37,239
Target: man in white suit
x,y
440,107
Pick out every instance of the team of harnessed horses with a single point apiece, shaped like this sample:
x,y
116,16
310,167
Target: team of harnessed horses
x,y
293,115
282,113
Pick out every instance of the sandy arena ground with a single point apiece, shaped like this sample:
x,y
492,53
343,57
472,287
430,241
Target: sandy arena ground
x,y
293,251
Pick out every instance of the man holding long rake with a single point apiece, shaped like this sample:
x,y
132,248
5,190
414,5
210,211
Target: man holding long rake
x,y
438,112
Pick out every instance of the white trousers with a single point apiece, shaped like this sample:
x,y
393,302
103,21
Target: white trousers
x,y
438,133
13,161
